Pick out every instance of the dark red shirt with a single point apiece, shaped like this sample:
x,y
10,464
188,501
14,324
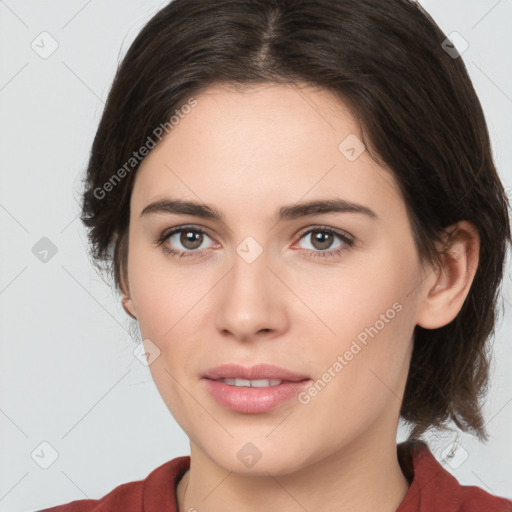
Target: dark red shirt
x,y
433,489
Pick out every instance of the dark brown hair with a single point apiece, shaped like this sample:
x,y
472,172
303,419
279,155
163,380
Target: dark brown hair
x,y
419,116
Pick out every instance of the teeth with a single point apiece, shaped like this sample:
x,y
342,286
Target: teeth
x,y
257,383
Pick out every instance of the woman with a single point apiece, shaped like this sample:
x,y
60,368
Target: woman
x,y
303,215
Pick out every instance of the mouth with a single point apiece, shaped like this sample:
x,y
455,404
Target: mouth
x,y
256,383
253,390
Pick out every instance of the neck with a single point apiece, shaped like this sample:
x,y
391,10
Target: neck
x,y
364,476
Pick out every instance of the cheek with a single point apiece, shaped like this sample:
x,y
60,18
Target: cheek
x,y
371,315
360,377
162,294
365,294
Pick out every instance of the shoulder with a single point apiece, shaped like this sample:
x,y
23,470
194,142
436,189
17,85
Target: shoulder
x,y
433,488
157,489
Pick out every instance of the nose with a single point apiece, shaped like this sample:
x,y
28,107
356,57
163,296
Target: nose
x,y
252,302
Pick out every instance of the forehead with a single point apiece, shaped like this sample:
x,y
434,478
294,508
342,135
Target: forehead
x,y
264,116
271,143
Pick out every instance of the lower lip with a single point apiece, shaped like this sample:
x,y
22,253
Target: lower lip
x,y
253,400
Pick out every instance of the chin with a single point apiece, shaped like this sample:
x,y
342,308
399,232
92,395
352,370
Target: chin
x,y
259,458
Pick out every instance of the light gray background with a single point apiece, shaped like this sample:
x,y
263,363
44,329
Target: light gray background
x,y
68,375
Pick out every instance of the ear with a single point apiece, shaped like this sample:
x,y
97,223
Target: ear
x,y
452,280
124,288
128,306
126,300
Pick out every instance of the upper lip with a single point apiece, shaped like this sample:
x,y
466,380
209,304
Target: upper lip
x,y
259,371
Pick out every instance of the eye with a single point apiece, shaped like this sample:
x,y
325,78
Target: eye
x,y
186,239
193,240
322,241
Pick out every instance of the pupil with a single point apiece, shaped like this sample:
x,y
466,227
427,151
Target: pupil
x,y
191,237
323,239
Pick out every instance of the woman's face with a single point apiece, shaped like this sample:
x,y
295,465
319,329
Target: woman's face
x,y
332,296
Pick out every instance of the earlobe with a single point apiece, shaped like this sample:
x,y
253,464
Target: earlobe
x,y
453,278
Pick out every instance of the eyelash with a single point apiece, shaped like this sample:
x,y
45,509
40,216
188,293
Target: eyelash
x,y
347,240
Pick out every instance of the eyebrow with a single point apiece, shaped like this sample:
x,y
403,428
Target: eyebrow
x,y
287,212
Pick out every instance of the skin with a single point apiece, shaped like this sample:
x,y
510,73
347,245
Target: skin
x,y
247,154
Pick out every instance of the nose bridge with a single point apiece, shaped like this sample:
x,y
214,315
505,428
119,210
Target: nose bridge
x,y
249,301
249,278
